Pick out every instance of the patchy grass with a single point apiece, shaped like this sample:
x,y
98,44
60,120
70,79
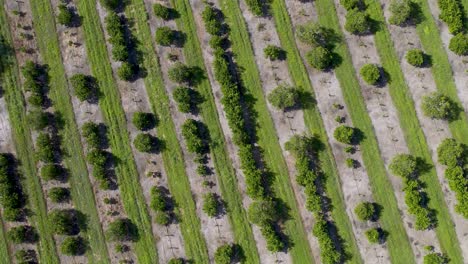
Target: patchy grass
x,y
23,144
268,140
398,242
226,176
314,123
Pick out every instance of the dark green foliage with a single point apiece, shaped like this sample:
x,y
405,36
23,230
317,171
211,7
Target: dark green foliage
x,y
439,106
350,163
415,57
59,194
163,12
113,4
22,234
404,165
314,34
272,237
11,195
36,82
211,204
224,254
258,7
83,86
38,119
52,172
162,218
91,133
123,230
115,29
263,212
181,73
146,143
45,148
194,133
186,98
375,235
346,134
370,73
320,58
65,16
284,97
63,222
273,52
165,36
144,121
451,153
352,4
212,19
126,71
436,258
176,261
73,246
451,12
97,157
357,22
402,12
459,44
26,256
158,200
366,211
120,52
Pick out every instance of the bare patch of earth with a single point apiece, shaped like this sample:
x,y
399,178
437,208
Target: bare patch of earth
x,y
421,82
354,182
385,121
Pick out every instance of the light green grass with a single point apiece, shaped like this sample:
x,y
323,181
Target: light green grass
x,y
4,254
226,177
314,123
114,116
194,242
82,192
267,138
414,135
398,242
24,146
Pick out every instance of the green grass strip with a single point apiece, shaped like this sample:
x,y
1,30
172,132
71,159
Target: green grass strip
x,y
223,165
24,146
110,103
314,122
398,242
413,133
82,192
194,242
267,138
4,255
429,34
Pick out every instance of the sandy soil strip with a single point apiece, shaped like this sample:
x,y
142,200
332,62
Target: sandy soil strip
x,y
217,231
459,63
421,82
355,182
386,125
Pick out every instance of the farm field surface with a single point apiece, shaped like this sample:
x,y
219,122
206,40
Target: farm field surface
x,y
234,131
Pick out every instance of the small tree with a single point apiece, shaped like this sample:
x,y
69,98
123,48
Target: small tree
x,y
59,194
45,148
83,86
273,52
38,119
158,200
370,73
357,22
346,134
459,44
23,234
352,4
163,12
146,143
180,73
183,97
65,16
144,121
224,254
320,58
123,230
284,97
438,106
91,133
263,212
404,165
210,204
375,235
112,4
162,218
402,12
313,34
450,152
63,222
415,57
366,211
176,261
52,172
126,71
165,36
26,256
435,258
120,52
73,246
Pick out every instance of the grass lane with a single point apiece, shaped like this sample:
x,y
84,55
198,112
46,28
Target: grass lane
x,y
267,138
194,242
413,133
4,253
226,175
398,242
82,192
314,123
24,146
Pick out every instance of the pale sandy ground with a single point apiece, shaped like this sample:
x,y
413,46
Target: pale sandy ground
x,y
421,82
386,125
